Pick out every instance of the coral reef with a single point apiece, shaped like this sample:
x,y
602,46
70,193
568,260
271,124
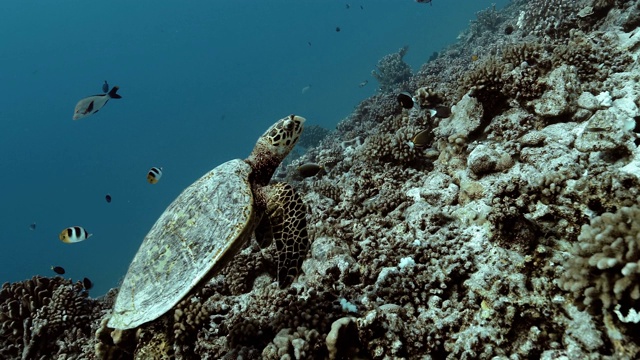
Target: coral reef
x,y
47,317
312,136
512,232
604,265
391,70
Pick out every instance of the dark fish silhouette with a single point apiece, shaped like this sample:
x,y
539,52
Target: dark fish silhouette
x,y
87,284
406,100
105,87
309,170
58,270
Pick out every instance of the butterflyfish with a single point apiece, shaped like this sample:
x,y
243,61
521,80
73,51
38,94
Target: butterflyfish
x,y
74,234
440,111
154,175
405,99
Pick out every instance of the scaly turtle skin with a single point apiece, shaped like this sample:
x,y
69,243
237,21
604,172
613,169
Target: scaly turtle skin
x,y
209,222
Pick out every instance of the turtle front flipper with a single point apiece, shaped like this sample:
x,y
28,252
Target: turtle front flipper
x,y
284,222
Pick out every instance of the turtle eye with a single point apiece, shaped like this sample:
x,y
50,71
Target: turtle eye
x,y
288,125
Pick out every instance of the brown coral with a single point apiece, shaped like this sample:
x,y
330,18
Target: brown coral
x,y
603,271
36,312
391,70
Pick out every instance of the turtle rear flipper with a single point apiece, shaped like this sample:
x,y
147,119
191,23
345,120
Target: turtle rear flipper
x,y
285,222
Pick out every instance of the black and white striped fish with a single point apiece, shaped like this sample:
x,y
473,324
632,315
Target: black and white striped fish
x,y
74,234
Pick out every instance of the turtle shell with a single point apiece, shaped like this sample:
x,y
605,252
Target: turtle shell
x,y
193,239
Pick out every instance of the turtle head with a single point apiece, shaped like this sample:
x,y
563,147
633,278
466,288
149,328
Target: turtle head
x,y
273,146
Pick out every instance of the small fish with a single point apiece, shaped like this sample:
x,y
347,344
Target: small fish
x,y
105,87
58,270
363,84
440,111
347,6
154,175
92,104
406,100
337,28
108,198
32,226
309,42
597,129
306,88
74,234
309,169
361,7
422,139
474,57
87,284
508,30
424,2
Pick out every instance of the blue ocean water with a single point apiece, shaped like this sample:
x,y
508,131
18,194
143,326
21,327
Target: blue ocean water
x,y
200,81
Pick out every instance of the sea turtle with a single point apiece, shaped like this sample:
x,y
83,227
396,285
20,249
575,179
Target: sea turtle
x,y
209,222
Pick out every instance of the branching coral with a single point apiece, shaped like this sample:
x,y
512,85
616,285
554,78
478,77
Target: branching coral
x,y
312,136
594,57
391,143
548,17
604,268
391,70
488,19
486,82
37,312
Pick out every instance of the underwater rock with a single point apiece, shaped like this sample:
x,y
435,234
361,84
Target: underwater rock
x,y
605,131
561,83
466,118
485,159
